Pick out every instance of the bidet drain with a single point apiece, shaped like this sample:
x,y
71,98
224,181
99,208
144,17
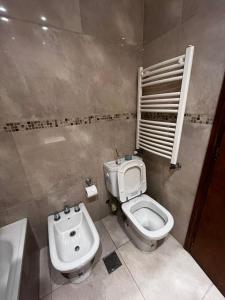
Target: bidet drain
x,y
72,233
77,248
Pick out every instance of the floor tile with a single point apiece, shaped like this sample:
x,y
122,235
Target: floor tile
x,y
116,232
120,285
45,279
102,286
169,272
57,279
213,294
106,241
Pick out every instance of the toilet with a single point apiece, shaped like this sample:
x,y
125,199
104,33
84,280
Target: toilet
x,y
146,221
73,242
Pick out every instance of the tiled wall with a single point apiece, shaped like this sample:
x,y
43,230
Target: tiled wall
x,y
67,100
169,27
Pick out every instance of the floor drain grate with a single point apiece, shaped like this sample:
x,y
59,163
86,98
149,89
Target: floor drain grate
x,y
112,262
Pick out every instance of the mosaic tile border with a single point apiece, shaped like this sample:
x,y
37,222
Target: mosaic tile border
x,y
53,123
198,118
188,117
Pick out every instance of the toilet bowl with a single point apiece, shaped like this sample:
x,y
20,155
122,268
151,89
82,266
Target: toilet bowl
x,y
146,221
73,242
150,221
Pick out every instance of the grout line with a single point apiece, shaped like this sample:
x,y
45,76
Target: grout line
x,y
123,244
45,296
49,269
208,289
136,284
51,278
58,285
108,234
117,247
124,263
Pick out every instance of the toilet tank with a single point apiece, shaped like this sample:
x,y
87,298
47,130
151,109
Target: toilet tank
x,y
111,177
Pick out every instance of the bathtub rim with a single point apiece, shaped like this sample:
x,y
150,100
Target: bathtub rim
x,y
14,285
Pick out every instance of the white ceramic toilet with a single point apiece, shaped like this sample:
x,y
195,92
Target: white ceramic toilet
x,y
73,242
147,222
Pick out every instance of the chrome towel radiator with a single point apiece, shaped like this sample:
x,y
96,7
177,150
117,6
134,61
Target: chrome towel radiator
x,y
158,136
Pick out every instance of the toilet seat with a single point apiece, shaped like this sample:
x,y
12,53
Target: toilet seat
x,y
131,179
156,211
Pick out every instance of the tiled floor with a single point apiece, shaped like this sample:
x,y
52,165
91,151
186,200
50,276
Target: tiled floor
x,y
168,273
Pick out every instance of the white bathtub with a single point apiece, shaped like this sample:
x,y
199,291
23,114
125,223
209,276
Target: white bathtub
x,y
12,242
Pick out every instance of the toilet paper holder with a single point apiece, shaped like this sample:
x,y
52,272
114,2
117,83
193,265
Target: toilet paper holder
x,y
88,181
90,189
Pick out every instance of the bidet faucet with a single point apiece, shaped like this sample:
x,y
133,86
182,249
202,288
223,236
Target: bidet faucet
x,y
56,216
76,208
66,209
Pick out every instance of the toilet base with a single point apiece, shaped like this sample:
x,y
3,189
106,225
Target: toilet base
x,y
141,243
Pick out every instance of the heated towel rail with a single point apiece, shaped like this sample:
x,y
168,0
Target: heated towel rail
x,y
157,136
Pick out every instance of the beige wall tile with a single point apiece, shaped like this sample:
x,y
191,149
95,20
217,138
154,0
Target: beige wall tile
x,y
59,74
60,14
176,189
123,19
206,34
162,48
160,17
13,183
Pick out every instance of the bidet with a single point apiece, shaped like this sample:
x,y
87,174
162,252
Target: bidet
x,y
73,242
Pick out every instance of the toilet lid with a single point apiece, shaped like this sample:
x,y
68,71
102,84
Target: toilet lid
x,y
131,179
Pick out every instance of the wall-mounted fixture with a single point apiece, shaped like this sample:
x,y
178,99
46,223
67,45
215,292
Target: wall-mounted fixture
x,y
43,18
3,9
4,19
45,28
90,189
159,136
